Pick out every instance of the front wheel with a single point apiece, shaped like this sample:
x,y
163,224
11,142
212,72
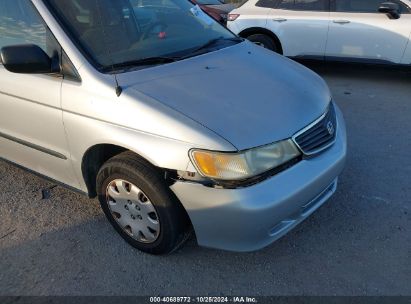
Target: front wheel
x,y
140,206
264,41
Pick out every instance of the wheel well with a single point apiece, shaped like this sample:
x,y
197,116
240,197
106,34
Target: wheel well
x,y
96,156
259,30
92,161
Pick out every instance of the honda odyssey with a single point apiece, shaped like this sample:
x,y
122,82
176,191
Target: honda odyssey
x,y
172,121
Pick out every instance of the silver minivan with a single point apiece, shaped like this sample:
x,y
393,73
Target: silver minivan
x,y
173,122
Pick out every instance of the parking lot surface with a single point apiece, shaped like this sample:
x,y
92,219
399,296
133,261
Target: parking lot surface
x,y
359,243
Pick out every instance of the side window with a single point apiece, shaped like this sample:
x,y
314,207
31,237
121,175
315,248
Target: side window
x,y
286,4
311,5
358,6
20,23
268,3
297,5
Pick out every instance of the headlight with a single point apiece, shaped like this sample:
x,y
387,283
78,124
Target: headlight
x,y
245,164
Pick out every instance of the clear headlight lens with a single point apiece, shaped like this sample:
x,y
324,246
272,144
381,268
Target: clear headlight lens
x,y
243,165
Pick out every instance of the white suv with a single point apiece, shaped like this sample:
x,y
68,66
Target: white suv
x,y
344,30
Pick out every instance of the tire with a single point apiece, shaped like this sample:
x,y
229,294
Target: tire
x,y
264,41
150,208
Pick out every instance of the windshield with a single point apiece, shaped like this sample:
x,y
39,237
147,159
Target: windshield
x,y
117,32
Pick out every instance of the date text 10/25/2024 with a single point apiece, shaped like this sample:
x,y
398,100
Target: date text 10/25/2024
x,y
203,300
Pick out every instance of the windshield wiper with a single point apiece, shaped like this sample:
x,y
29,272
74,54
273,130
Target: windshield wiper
x,y
206,46
163,60
144,62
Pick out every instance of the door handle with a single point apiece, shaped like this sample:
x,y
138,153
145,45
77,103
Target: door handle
x,y
341,21
279,19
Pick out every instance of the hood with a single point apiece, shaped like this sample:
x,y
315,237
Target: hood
x,y
226,8
246,94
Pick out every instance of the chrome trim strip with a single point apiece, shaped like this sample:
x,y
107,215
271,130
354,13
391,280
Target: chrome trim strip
x,y
294,138
33,146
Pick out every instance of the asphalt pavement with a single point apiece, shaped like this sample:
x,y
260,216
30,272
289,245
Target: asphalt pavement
x,y
359,243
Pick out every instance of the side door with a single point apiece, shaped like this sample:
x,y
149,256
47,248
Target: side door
x,y
31,128
359,32
301,26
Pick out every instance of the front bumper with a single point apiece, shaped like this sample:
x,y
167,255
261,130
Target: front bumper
x,y
251,218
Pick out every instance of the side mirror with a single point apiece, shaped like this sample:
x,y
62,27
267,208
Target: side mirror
x,y
391,9
27,59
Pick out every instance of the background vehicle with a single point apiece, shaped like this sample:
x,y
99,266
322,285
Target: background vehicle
x,y
215,8
370,31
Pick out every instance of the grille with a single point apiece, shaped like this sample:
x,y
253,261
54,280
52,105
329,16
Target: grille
x,y
320,135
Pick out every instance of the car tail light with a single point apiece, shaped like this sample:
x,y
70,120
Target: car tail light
x,y
232,17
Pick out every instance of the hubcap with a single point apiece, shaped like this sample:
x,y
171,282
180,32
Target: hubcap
x,y
133,211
